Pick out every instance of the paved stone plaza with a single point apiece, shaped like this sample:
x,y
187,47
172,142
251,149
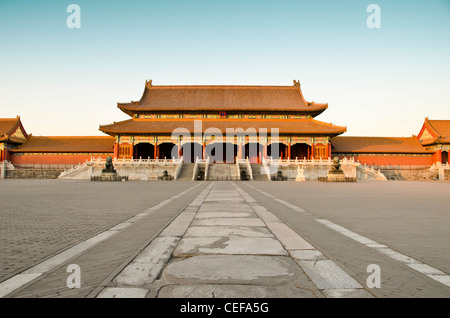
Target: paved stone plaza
x,y
224,239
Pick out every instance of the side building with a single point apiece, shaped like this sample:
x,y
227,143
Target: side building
x,y
12,135
383,152
435,137
54,150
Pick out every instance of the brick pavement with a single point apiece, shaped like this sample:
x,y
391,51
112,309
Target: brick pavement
x,y
412,217
397,279
389,213
40,218
109,257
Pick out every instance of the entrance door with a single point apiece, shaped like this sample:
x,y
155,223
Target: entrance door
x,y
445,157
144,151
300,151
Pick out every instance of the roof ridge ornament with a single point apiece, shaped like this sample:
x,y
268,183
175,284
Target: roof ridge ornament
x,y
297,83
148,83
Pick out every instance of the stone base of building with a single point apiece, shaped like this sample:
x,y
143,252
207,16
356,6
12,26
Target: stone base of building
x,y
32,173
109,176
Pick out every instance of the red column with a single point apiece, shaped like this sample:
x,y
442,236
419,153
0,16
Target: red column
x,y
312,150
240,151
132,151
116,150
438,156
289,150
329,150
155,151
204,151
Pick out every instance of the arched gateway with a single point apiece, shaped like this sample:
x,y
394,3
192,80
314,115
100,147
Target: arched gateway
x,y
222,122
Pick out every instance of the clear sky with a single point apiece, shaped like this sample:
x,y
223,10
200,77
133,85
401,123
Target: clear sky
x,y
378,82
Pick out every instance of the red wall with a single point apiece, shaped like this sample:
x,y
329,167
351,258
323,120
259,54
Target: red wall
x,y
437,157
53,159
391,160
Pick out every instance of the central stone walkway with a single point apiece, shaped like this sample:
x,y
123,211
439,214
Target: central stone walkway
x,y
226,244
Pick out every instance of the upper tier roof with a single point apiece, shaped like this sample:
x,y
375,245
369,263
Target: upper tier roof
x,y
67,144
343,144
223,98
167,126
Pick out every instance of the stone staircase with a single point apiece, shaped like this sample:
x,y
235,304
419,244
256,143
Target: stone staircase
x,y
258,173
186,172
222,172
289,171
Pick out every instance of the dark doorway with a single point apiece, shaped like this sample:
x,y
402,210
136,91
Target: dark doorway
x,y
165,150
300,151
445,157
277,151
144,151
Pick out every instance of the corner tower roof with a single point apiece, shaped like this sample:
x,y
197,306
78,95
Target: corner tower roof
x,y
11,129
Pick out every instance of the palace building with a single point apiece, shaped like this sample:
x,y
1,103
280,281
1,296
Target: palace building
x,y
264,121
225,124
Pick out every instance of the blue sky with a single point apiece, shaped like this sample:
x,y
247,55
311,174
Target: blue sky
x,y
378,82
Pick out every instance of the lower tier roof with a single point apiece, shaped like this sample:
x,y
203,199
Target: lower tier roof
x,y
167,126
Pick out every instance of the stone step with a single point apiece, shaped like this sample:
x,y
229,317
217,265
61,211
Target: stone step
x,y
222,171
186,172
256,172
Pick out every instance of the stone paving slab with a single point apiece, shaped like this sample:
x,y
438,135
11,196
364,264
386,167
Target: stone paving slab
x,y
248,231
229,222
146,267
232,269
207,215
347,293
307,255
122,292
327,275
234,291
229,245
214,207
